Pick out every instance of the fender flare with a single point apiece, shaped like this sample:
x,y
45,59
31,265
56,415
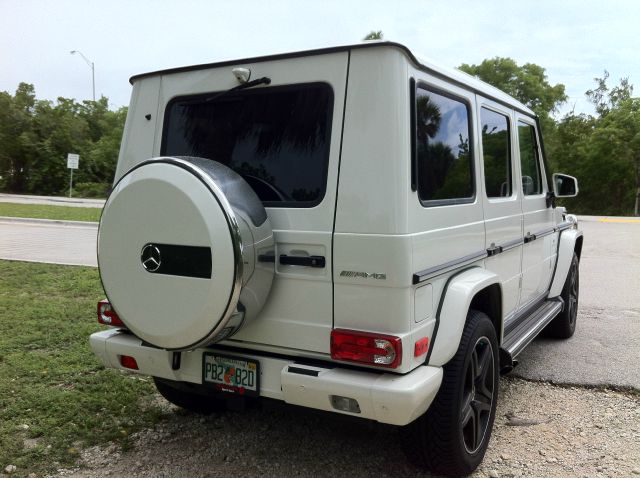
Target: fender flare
x,y
452,311
566,247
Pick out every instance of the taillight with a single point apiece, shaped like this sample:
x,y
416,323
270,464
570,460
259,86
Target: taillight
x,y
106,314
366,348
127,361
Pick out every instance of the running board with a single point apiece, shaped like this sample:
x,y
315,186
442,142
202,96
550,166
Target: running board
x,y
527,330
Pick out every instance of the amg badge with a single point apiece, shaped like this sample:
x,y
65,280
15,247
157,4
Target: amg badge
x,y
364,275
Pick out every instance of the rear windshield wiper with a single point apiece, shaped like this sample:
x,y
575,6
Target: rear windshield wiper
x,y
265,80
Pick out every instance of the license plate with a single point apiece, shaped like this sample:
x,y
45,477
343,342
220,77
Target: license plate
x,y
231,374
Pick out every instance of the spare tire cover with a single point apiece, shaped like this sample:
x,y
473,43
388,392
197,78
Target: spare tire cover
x,y
172,251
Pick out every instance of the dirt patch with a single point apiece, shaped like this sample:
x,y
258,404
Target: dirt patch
x,y
540,430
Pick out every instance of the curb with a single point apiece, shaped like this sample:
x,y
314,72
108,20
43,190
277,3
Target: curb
x,y
56,222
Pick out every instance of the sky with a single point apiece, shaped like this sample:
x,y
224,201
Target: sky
x,y
575,41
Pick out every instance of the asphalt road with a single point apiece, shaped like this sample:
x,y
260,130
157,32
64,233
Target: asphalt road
x,y
55,242
604,350
51,200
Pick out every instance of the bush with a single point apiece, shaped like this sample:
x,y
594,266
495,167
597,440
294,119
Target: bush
x,y
91,190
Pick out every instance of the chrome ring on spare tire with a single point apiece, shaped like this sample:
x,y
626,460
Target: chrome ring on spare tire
x,y
155,185
236,240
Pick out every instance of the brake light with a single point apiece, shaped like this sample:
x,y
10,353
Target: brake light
x,y
106,314
128,361
366,348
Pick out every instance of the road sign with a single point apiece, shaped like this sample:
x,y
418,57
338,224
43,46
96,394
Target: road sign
x,y
73,160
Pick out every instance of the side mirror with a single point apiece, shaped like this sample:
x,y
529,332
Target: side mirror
x,y
564,186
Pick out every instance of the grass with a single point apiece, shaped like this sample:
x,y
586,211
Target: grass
x,y
49,378
43,211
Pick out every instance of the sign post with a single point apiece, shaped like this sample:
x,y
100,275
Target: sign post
x,y
72,163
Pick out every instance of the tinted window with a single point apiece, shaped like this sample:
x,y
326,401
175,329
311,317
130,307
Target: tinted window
x,y
443,147
276,138
531,180
496,153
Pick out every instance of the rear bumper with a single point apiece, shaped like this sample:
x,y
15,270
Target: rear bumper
x,y
384,397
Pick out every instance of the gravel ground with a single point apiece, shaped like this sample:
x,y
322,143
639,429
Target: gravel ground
x,y
540,430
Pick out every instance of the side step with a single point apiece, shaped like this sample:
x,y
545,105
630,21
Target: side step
x,y
527,329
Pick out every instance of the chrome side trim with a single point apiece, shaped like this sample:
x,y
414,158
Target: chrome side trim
x,y
552,309
544,232
506,246
425,274
564,225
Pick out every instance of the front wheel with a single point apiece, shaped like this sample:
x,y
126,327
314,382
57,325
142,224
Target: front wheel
x,y
452,436
564,325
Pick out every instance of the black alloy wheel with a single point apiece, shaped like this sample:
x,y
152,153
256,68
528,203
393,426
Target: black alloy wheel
x,y
564,325
478,395
452,436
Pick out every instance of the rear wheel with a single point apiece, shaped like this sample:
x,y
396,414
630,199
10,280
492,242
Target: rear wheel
x,y
186,396
452,436
564,325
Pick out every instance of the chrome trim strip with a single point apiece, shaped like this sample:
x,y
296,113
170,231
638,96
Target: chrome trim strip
x,y
425,274
544,232
506,246
564,225
515,349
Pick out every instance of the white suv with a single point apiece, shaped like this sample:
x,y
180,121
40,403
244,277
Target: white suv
x,y
348,229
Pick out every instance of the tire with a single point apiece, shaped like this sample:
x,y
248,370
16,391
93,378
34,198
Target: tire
x,y
564,325
178,393
444,439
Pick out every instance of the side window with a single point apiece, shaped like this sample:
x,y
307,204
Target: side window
x,y
445,168
496,153
530,165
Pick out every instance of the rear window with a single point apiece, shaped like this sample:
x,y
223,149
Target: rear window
x,y
277,138
445,168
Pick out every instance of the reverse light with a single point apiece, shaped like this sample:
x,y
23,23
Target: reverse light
x,y
127,361
366,348
106,314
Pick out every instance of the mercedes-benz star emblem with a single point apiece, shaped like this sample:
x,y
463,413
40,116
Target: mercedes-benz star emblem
x,y
150,257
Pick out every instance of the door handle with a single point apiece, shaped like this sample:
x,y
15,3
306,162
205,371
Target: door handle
x,y
306,261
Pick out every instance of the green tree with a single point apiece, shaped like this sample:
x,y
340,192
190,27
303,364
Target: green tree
x,y
603,151
16,137
527,83
373,35
37,135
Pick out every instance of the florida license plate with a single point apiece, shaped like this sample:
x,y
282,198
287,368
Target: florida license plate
x,y
231,374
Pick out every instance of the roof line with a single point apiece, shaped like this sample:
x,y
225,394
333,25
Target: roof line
x,y
515,104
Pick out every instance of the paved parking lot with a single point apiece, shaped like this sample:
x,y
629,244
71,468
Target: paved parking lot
x,y
606,346
55,242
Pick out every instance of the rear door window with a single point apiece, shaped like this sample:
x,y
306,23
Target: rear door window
x,y
276,138
496,153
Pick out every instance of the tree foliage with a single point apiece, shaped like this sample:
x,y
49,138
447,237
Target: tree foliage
x,y
527,83
373,35
36,136
602,151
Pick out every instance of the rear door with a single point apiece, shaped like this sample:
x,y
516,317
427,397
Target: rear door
x,y
501,199
284,139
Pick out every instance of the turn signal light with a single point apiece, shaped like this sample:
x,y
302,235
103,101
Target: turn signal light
x,y
366,348
106,314
128,361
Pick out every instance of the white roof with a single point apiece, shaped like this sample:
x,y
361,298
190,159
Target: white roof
x,y
461,78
